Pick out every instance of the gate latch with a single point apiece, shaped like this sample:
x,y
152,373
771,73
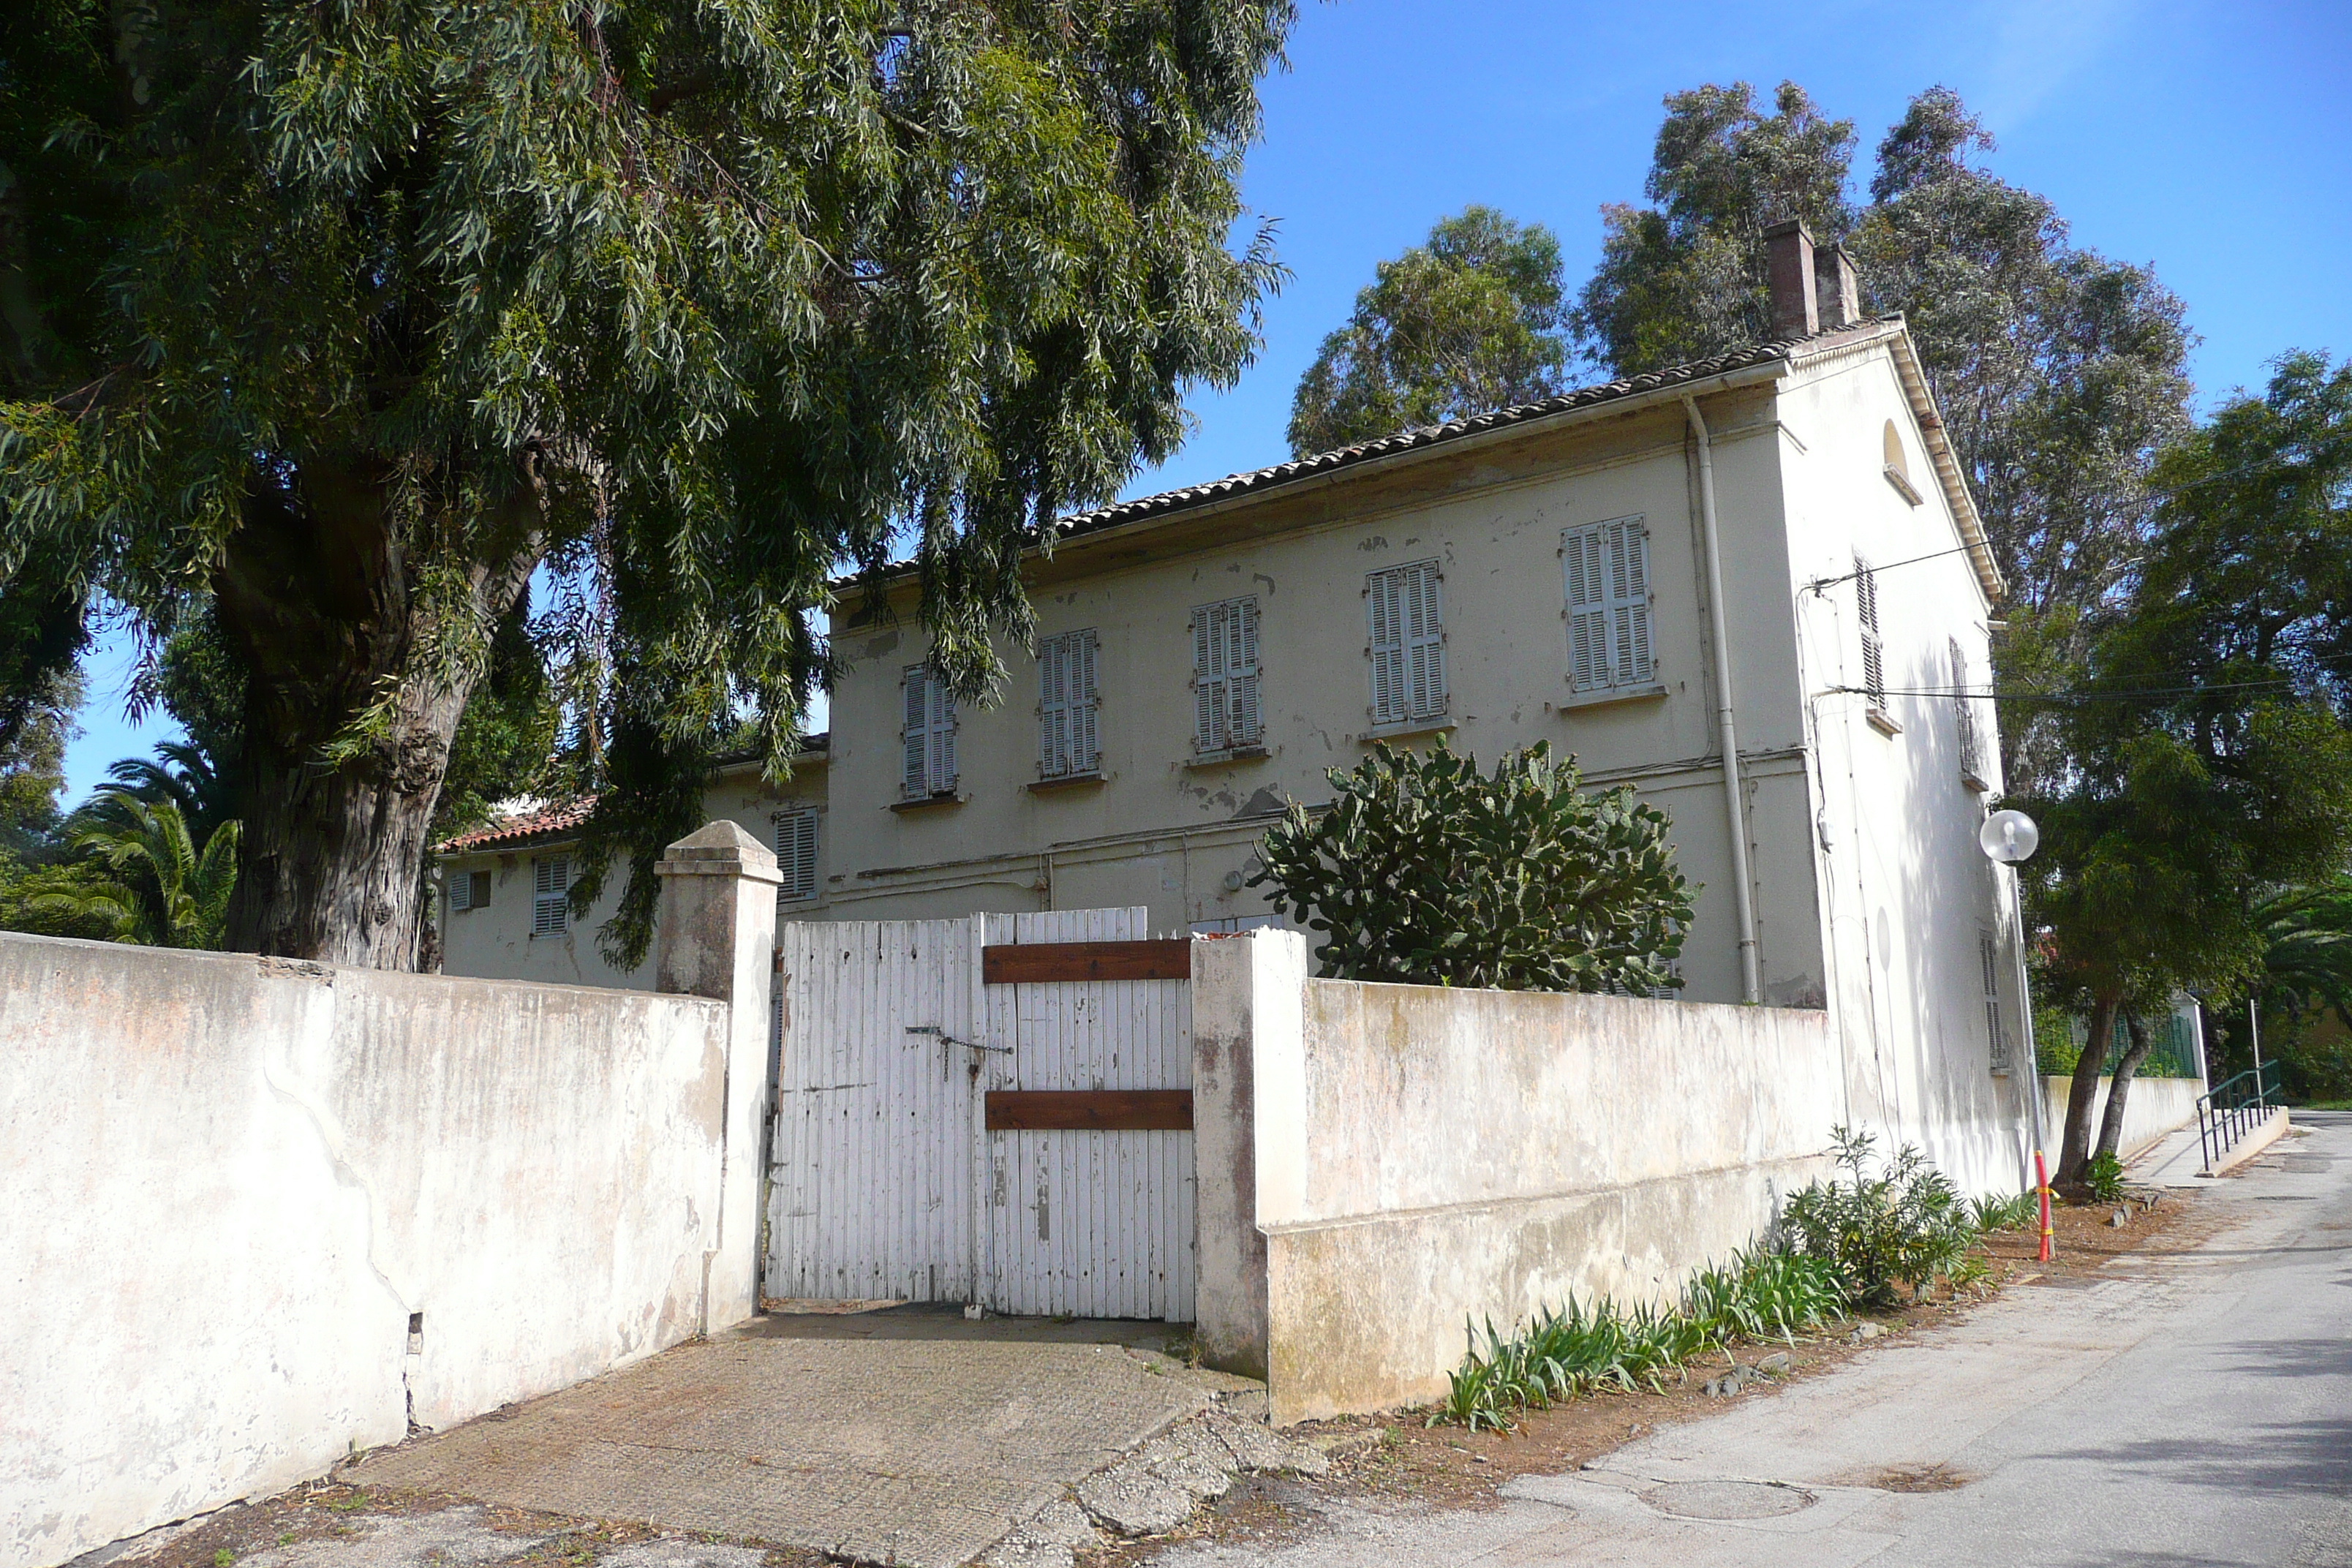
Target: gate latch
x,y
947,1039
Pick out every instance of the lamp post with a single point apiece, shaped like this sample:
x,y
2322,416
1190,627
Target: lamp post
x,y
2009,838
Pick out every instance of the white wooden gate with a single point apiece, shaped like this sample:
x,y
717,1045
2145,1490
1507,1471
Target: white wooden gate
x,y
895,1054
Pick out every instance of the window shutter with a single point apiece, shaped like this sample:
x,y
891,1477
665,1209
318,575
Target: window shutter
x,y
796,854
1387,646
1207,699
1629,594
1964,716
943,739
1052,708
1873,653
1996,1033
461,888
550,882
914,777
1588,610
1086,702
1245,728
1424,638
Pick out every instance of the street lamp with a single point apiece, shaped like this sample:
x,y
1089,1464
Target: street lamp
x,y
2009,838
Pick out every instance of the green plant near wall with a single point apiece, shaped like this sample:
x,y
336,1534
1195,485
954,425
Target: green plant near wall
x,y
1426,871
1907,1224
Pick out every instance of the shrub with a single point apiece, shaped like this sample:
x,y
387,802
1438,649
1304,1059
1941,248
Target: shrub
x,y
1426,871
1907,1225
2104,1178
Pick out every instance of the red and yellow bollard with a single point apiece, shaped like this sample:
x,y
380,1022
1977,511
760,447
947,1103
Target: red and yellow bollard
x,y
2042,1192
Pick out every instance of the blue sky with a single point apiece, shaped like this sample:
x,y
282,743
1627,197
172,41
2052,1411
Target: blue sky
x,y
2213,141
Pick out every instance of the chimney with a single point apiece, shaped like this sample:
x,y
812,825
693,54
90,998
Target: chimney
x,y
1836,288
1789,255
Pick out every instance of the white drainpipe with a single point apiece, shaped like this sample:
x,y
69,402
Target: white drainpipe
x,y
1752,989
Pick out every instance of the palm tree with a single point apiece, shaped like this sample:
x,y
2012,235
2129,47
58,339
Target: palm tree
x,y
2307,945
138,874
185,775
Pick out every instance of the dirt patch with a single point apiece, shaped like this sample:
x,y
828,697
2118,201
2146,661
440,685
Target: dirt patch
x,y
1397,1462
1919,1478
328,1511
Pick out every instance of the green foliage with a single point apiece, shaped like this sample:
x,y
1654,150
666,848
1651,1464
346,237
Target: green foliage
x,y
1905,1225
2103,1177
32,766
1426,871
343,321
1758,1293
1685,279
2059,374
138,876
1995,1212
1466,323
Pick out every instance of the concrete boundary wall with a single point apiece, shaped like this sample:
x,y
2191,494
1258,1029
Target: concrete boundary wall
x,y
257,1214
2155,1107
1382,1164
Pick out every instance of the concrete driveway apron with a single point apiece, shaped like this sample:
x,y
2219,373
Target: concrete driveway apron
x,y
907,1435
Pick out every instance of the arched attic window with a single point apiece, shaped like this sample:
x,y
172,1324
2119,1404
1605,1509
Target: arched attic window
x,y
1899,467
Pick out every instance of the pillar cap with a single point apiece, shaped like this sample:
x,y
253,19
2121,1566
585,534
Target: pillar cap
x,y
720,848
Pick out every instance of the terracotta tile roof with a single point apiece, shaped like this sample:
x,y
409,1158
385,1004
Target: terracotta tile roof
x,y
1755,354
556,818
517,828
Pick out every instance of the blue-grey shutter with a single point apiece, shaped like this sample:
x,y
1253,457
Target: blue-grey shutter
x,y
914,778
1587,608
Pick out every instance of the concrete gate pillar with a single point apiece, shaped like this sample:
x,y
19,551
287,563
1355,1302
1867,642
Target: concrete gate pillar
x,y
716,937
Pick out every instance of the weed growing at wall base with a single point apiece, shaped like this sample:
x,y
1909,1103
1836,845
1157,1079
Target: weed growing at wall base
x,y
1906,1226
1756,1294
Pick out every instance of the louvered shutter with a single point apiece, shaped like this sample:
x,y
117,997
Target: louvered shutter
x,y
1629,582
551,881
1086,702
1245,727
914,780
461,888
1208,698
943,739
1964,716
796,854
1424,642
1588,609
1382,590
1996,1032
1052,708
1873,653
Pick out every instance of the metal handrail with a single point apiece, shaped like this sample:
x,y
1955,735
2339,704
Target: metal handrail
x,y
2232,1107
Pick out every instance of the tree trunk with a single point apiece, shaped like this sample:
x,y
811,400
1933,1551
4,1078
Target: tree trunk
x,y
318,592
2076,1151
2111,1127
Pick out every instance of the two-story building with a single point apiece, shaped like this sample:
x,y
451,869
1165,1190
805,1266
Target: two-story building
x,y
1754,587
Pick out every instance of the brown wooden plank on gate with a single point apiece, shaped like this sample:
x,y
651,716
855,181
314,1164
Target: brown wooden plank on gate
x,y
1029,962
1089,1109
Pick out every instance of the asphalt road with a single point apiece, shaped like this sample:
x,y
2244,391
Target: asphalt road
x,y
2191,1408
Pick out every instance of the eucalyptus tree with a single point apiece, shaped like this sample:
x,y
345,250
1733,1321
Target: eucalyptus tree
x,y
1467,322
2059,373
343,321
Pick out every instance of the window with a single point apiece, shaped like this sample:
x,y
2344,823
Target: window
x,y
550,884
1226,677
469,890
1964,719
1898,468
1874,651
1996,1025
1408,646
1068,743
796,854
1609,604
930,736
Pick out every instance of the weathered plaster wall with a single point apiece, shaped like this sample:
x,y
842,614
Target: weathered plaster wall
x,y
1421,1157
1904,894
2155,1107
228,1185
